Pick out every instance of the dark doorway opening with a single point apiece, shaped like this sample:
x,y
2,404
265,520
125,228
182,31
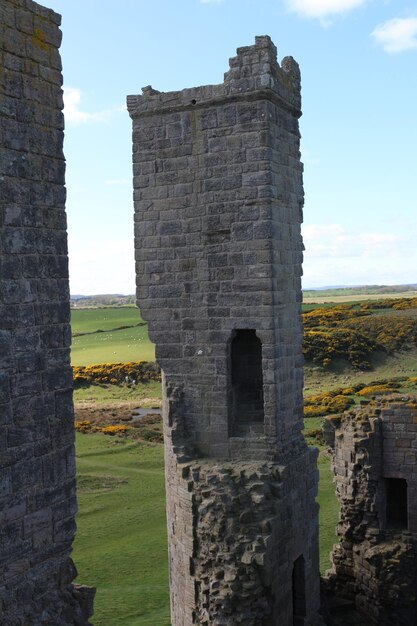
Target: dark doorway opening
x,y
299,592
246,404
396,503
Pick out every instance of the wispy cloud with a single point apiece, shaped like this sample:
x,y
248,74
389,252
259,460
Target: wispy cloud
x,y
337,255
75,115
104,265
334,241
322,9
397,35
211,1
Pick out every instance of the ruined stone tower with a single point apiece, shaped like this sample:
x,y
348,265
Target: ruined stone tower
x,y
37,458
218,206
374,462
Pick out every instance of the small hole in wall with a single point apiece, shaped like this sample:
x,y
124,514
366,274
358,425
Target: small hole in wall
x,y
193,101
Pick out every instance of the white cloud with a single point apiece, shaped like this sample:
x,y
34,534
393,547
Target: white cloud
x,y
322,9
334,241
397,35
336,255
73,113
211,1
105,265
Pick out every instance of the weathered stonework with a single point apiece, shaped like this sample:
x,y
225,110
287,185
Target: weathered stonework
x,y
218,206
37,471
375,461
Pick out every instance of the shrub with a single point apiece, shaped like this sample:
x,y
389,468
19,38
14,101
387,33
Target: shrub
x,y
376,390
326,404
115,373
83,427
323,347
116,429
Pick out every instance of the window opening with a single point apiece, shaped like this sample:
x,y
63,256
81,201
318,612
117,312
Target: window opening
x,y
396,503
246,404
299,592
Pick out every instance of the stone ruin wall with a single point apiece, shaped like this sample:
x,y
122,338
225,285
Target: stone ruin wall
x,y
37,460
218,205
375,562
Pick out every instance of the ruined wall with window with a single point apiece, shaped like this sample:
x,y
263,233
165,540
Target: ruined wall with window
x,y
375,466
37,458
218,206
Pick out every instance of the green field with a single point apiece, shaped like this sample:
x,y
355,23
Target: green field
x,y
100,343
131,344
121,540
121,547
89,320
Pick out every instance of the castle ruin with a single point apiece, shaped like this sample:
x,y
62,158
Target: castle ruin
x,y
374,462
37,460
218,207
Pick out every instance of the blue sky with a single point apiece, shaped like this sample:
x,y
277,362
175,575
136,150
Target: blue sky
x,y
358,62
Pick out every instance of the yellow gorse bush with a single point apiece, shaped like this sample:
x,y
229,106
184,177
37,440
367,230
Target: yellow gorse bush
x,y
327,403
352,333
116,429
115,373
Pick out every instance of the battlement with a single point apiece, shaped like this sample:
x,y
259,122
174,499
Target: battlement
x,y
253,70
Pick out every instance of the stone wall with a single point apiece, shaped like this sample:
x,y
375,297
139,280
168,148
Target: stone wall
x,y
375,562
218,206
37,472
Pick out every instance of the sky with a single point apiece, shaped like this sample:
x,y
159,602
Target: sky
x,y
358,61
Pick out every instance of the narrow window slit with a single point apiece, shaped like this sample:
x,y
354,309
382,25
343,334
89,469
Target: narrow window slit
x,y
246,403
396,503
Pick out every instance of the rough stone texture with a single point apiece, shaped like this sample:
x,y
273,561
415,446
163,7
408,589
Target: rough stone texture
x,y
218,206
375,562
37,472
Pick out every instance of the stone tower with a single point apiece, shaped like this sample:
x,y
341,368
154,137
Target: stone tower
x,y
37,458
218,206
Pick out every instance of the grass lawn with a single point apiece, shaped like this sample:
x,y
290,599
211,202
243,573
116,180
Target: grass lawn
x,y
120,545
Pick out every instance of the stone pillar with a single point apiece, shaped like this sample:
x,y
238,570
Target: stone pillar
x,y
37,460
218,207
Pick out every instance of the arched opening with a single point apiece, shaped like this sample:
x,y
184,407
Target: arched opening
x,y
246,405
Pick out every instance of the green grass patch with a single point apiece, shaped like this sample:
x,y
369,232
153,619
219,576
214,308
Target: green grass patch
x,y
329,511
90,320
121,545
117,393
130,344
